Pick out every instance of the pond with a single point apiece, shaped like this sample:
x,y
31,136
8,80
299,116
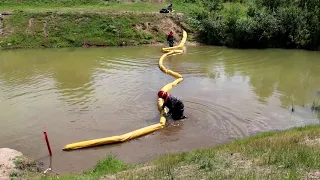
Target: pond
x,y
82,94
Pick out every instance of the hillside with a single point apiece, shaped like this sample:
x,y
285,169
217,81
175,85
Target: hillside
x,y
231,23
52,24
76,29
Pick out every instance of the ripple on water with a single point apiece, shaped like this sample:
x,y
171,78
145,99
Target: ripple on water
x,y
226,118
81,98
211,51
122,84
245,60
193,70
128,63
33,89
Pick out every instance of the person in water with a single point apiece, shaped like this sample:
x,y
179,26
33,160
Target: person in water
x,y
170,39
174,104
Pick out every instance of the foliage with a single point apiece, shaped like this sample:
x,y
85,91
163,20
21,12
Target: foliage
x,y
266,23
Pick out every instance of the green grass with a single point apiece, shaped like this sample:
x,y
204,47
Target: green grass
x,y
98,6
143,7
291,154
106,166
102,7
53,30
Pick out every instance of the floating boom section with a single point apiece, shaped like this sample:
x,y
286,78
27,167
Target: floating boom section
x,y
149,129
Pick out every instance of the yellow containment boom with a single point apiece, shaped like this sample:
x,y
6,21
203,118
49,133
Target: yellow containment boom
x,y
149,129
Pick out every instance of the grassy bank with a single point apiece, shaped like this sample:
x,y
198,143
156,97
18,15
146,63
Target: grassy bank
x,y
93,6
74,29
231,23
292,154
71,6
76,23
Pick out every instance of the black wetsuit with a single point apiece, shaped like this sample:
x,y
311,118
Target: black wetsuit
x,y
170,40
170,7
176,107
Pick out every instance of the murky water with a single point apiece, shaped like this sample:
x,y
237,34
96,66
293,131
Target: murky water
x,y
82,94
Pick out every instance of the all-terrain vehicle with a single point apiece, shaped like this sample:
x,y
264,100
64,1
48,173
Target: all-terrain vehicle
x,y
164,10
167,10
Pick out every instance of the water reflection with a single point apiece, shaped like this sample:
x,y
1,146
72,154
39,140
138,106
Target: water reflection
x,y
73,73
291,75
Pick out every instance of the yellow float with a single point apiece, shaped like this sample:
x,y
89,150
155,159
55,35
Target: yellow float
x,y
149,129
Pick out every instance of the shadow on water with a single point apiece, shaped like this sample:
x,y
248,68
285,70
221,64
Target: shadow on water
x,y
83,94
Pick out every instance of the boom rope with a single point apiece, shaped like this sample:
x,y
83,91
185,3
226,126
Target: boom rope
x,y
149,129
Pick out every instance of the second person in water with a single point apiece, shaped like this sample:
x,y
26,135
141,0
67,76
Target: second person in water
x,y
170,39
174,104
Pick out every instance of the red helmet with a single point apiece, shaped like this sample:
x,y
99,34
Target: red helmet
x,y
162,94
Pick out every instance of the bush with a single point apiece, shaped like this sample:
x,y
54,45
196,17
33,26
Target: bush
x,y
213,30
267,23
213,5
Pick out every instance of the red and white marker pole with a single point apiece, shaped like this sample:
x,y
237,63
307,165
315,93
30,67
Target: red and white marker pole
x,y
50,152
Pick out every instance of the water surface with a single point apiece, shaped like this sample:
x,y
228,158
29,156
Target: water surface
x,y
81,94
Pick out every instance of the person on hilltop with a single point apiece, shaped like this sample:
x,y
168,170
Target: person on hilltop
x,y
170,39
174,104
170,7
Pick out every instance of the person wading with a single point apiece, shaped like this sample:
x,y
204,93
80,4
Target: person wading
x,y
170,39
174,104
